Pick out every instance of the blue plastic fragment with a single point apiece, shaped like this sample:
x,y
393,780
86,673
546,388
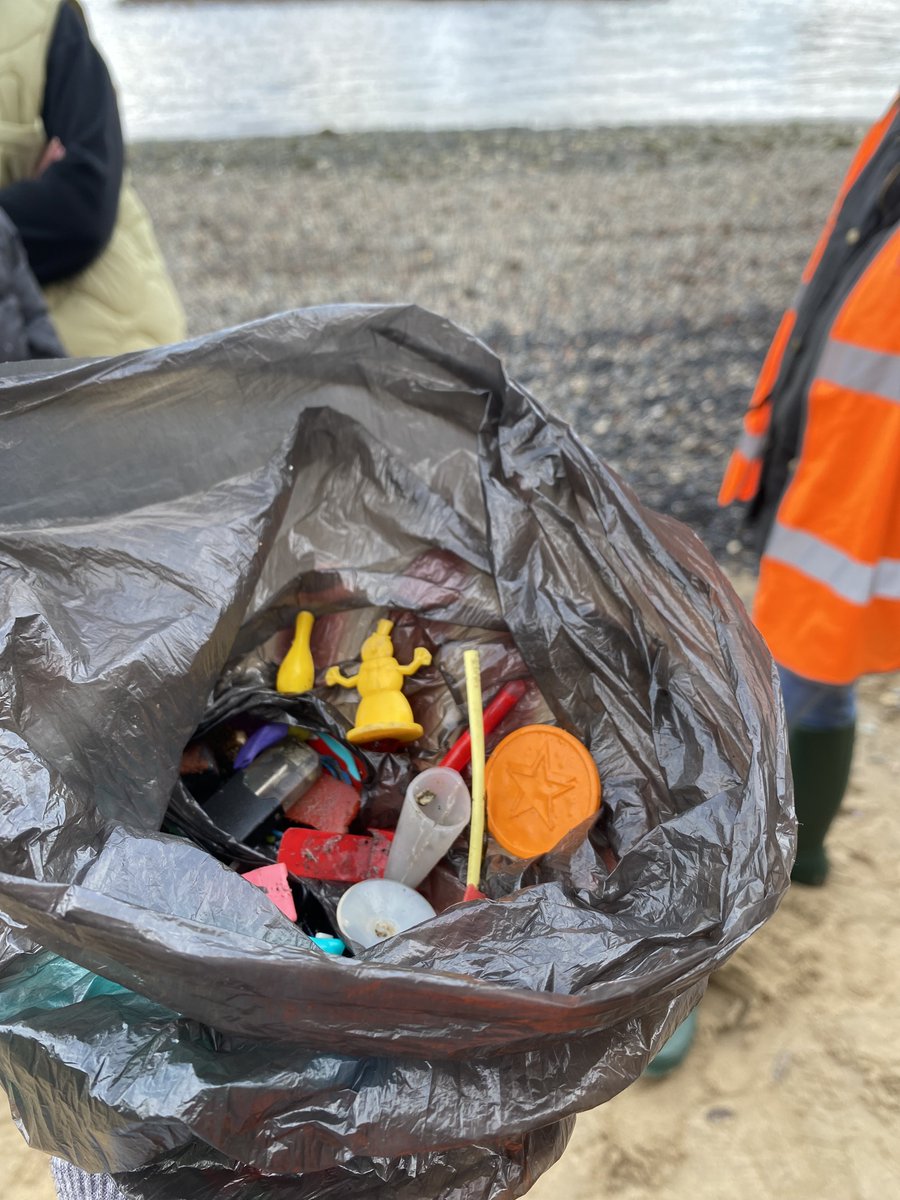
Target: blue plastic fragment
x,y
333,768
343,754
261,739
331,945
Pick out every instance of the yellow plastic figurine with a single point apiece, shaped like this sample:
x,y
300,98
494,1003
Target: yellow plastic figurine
x,y
383,711
297,672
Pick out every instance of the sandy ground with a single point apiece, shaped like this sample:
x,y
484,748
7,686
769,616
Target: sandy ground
x,y
793,1089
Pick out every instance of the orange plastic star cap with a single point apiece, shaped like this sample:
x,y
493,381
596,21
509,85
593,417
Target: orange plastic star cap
x,y
541,782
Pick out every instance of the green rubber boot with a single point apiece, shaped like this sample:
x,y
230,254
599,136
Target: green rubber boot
x,y
820,765
673,1052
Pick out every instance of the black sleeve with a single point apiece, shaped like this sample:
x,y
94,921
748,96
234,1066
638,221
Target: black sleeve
x,y
66,217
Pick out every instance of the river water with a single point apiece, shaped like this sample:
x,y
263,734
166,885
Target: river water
x,y
206,69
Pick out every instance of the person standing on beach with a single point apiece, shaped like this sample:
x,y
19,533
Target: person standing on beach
x,y
819,464
62,184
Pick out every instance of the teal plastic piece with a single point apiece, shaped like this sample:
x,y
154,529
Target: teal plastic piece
x,y
343,754
331,945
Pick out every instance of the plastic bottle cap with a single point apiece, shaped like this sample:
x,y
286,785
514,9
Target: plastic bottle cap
x,y
541,782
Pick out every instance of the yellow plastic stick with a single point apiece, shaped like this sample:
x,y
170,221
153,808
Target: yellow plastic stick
x,y
476,733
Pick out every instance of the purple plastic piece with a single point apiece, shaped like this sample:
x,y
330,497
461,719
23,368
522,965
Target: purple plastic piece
x,y
261,739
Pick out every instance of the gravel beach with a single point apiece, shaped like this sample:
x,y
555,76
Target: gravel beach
x,y
630,278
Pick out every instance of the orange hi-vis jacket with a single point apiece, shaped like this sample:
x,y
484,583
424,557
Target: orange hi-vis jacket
x,y
819,457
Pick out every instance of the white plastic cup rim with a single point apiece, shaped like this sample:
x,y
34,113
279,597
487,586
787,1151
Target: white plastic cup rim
x,y
376,909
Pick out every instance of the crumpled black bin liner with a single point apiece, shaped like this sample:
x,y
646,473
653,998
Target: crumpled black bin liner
x,y
158,510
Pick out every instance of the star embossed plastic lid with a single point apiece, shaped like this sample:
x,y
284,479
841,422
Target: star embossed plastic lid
x,y
540,782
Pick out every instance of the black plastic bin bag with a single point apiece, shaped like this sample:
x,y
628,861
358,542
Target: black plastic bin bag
x,y
161,513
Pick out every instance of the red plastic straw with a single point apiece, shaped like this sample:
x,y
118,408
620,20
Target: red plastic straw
x,y
504,702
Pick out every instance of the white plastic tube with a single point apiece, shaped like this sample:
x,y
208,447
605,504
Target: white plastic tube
x,y
436,809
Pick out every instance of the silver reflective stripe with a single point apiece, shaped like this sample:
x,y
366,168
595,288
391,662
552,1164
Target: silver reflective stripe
x,y
798,296
861,370
751,445
850,579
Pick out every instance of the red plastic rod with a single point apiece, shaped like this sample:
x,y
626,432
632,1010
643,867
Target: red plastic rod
x,y
504,702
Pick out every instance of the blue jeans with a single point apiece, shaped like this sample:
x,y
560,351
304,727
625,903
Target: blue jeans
x,y
811,705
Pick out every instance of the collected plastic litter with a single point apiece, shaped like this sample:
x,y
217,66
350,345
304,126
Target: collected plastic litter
x,y
339,858
436,809
261,739
328,804
159,1019
541,782
277,777
383,712
338,758
329,944
200,770
377,909
472,663
297,672
506,699
273,880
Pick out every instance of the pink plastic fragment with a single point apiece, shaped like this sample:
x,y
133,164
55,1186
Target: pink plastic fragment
x,y
273,880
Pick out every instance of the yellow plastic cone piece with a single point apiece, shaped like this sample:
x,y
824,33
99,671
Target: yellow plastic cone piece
x,y
297,672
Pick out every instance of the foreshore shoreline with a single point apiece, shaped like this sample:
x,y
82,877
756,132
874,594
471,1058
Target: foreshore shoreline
x,y
598,145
